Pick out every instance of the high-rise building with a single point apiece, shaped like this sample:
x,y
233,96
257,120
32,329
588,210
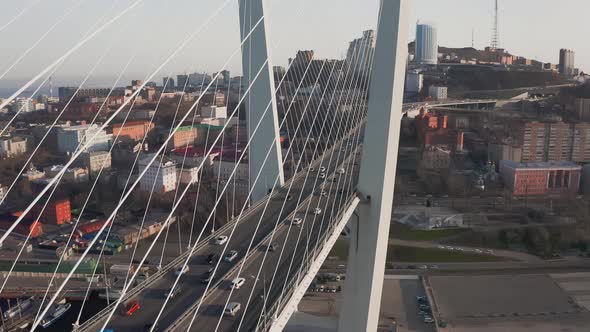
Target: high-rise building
x,y
168,82
414,82
426,45
66,93
557,141
196,79
566,62
182,81
302,58
360,52
582,108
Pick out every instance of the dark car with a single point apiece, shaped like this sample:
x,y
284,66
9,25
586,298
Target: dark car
x,y
212,258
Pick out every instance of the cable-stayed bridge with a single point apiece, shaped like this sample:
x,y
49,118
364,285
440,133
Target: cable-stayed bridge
x,y
342,122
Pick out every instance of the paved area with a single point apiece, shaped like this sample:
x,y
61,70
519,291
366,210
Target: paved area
x,y
498,303
399,304
577,285
319,311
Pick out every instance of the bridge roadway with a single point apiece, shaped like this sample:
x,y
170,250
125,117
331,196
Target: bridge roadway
x,y
152,297
314,228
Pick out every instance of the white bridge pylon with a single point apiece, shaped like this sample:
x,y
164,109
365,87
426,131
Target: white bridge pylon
x,y
255,55
369,232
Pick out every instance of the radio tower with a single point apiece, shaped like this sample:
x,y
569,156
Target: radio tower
x,y
495,28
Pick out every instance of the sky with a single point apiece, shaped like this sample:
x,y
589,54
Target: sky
x,y
147,35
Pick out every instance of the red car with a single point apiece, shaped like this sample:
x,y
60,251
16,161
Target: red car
x,y
131,308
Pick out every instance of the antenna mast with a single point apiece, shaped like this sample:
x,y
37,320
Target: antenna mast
x,y
495,28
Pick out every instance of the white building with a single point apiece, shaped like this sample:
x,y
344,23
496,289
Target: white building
x,y
69,138
188,175
25,105
224,166
438,92
96,160
426,45
214,112
13,146
161,178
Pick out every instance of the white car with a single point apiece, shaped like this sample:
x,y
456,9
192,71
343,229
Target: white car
x,y
230,256
238,282
322,169
322,175
296,221
221,240
317,211
231,309
181,270
341,171
323,193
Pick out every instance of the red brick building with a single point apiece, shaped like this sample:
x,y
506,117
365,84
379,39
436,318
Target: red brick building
x,y
57,212
544,178
24,227
132,130
426,121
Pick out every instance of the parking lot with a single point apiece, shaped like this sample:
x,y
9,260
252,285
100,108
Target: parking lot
x,y
398,307
399,304
495,303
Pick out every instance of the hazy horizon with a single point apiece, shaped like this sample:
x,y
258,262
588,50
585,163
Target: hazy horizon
x,y
153,30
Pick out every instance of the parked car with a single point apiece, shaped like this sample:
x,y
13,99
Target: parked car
x,y
317,211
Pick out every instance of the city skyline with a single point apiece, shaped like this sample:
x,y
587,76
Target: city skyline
x,y
454,30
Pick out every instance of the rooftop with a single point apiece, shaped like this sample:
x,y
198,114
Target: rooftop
x,y
130,124
542,165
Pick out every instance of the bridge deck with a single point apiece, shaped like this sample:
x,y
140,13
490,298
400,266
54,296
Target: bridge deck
x,y
152,297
